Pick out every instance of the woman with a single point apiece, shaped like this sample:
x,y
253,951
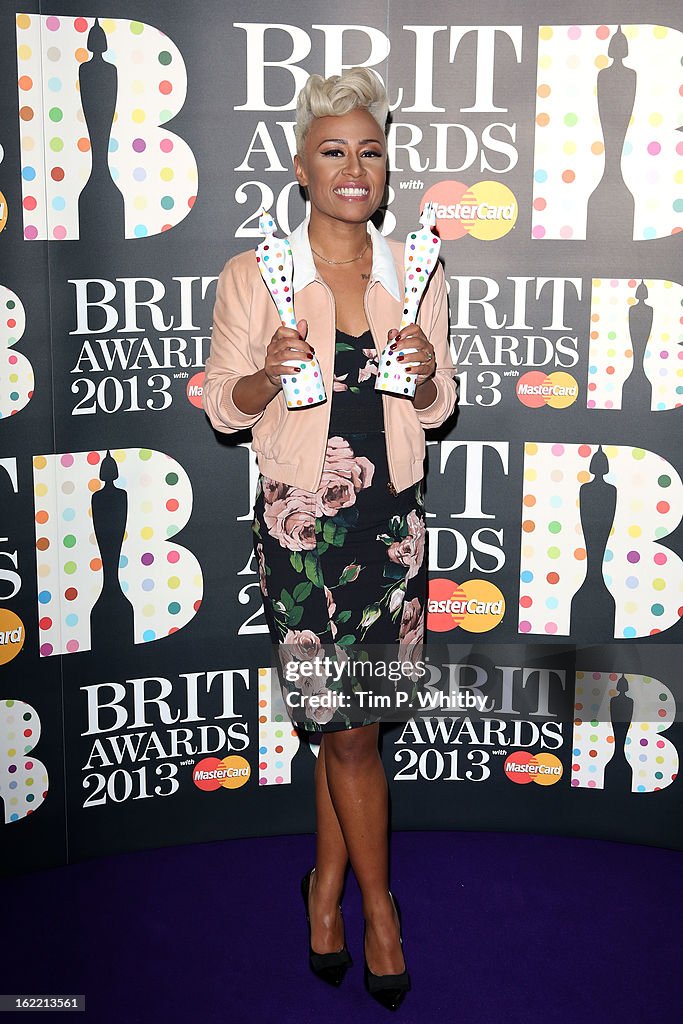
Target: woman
x,y
339,529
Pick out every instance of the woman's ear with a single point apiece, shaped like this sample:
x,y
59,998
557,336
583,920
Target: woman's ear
x,y
299,171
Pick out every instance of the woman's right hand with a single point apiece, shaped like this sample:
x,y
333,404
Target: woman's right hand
x,y
286,343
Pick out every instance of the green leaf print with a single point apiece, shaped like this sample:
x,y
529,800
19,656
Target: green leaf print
x,y
301,591
394,571
294,615
343,346
312,567
346,640
286,599
329,531
297,561
343,616
346,517
335,534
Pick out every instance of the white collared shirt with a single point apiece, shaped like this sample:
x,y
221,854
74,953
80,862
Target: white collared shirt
x,y
383,266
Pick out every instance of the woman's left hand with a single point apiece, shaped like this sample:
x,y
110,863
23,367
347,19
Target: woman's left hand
x,y
424,359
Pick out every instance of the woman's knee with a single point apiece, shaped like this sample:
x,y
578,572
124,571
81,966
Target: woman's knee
x,y
351,745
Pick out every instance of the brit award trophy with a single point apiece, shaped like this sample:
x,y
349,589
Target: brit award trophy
x,y
421,253
274,258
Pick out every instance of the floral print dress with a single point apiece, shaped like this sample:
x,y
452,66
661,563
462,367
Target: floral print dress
x,y
342,570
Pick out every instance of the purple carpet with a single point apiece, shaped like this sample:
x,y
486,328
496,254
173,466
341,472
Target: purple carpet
x,y
497,927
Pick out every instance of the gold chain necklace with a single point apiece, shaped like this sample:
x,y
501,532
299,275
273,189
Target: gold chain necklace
x,y
340,262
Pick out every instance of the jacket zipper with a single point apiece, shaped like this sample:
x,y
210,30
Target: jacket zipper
x,y
329,402
392,485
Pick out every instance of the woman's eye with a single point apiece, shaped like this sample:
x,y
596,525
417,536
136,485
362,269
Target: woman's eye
x,y
331,152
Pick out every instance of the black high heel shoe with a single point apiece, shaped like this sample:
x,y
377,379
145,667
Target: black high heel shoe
x,y
387,989
330,967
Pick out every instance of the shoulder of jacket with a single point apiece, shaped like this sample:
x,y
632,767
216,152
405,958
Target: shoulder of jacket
x,y
240,271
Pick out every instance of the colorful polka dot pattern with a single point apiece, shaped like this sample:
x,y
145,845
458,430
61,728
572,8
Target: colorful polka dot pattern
x,y
274,258
569,154
644,577
153,168
275,262
306,387
419,259
163,581
392,376
610,355
278,739
420,255
16,373
23,778
653,758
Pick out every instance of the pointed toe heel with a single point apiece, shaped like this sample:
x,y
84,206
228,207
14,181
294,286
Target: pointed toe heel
x,y
329,967
388,989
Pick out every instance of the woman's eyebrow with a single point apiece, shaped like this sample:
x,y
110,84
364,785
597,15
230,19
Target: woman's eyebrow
x,y
362,142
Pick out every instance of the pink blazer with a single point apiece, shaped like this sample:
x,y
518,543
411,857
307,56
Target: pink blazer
x,y
290,445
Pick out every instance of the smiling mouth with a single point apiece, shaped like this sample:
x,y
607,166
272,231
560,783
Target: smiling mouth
x,y
352,193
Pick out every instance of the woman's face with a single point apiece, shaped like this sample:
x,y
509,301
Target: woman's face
x,y
343,166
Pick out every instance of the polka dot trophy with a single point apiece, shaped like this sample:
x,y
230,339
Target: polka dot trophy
x,y
421,253
274,258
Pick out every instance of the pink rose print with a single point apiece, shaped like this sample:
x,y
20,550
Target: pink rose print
x,y
367,372
261,569
272,490
410,550
331,609
321,714
339,384
411,632
296,646
291,519
344,475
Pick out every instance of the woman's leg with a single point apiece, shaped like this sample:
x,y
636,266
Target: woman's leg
x,y
327,881
358,792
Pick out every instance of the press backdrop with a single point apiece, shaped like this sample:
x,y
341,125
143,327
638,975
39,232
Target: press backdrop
x,y
136,152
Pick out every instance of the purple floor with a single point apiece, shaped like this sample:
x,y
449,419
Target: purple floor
x,y
497,927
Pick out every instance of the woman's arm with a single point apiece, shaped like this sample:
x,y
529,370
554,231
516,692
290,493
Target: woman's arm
x,y
436,397
253,393
425,394
230,359
236,389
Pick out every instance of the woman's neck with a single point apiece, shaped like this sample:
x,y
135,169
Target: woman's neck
x,y
336,240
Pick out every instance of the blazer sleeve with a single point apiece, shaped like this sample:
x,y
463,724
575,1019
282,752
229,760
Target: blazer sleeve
x,y
436,326
230,356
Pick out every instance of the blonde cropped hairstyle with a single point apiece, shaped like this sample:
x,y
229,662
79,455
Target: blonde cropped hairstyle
x,y
337,95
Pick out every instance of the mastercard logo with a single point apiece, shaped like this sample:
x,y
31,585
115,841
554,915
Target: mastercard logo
x,y
487,210
195,389
558,390
476,606
522,766
12,635
230,773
